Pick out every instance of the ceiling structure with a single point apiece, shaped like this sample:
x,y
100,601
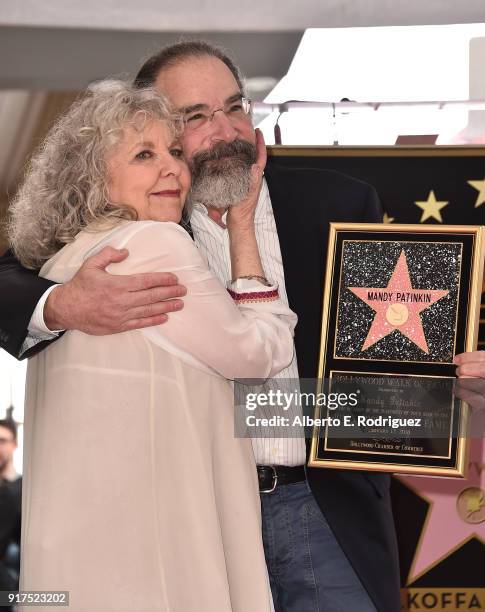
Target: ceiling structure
x,y
52,49
235,15
60,58
64,44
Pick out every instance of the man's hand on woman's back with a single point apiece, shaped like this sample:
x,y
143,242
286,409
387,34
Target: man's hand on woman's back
x,y
99,303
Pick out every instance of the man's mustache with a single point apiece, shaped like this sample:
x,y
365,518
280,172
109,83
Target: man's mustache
x,y
240,149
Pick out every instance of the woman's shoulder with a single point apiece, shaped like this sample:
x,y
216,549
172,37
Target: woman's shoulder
x,y
137,234
153,246
140,234
135,230
131,228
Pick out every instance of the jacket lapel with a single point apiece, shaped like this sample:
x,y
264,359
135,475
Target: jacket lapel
x,y
302,224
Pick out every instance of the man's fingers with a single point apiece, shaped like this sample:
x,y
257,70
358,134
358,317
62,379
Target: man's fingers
x,y
133,282
149,280
146,322
255,182
156,295
257,168
470,364
105,257
152,310
261,154
475,368
473,356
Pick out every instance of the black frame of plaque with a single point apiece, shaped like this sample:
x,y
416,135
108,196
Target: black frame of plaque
x,y
471,239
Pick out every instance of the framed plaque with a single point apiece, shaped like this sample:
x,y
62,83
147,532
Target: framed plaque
x,y
400,302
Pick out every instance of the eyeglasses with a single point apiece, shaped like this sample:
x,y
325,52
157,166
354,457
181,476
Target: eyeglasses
x,y
235,111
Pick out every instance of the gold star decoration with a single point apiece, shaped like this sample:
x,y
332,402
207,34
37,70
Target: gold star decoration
x,y
480,187
431,208
387,219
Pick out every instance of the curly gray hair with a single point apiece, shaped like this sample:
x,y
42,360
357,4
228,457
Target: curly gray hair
x,y
65,185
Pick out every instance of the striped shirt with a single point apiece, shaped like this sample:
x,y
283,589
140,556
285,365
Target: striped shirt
x,y
213,241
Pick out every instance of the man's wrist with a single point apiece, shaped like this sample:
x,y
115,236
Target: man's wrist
x,y
240,227
50,313
258,277
37,328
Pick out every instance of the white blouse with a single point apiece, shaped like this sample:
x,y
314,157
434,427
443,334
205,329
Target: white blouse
x,y
253,339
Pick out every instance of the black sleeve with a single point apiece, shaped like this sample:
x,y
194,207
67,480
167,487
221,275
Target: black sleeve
x,y
21,289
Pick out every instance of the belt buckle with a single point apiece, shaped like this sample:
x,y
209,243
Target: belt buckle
x,y
275,481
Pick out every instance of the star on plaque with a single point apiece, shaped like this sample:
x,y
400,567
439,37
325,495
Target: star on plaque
x,y
480,187
397,307
431,208
387,219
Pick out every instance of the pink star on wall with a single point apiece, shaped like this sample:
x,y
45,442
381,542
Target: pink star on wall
x,y
397,306
456,511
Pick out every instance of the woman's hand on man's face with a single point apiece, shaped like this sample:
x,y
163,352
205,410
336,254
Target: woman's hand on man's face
x,y
241,216
99,303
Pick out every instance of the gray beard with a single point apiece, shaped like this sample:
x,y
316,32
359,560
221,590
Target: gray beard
x,y
221,176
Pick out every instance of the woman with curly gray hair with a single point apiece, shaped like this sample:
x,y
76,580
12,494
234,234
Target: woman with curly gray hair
x,y
137,495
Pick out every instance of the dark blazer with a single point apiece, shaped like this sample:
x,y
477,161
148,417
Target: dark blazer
x,y
20,290
355,504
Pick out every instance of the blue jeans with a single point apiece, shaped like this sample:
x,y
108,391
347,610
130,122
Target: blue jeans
x,y
307,568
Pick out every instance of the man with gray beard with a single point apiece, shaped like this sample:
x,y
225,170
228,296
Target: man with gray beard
x,y
220,175
328,534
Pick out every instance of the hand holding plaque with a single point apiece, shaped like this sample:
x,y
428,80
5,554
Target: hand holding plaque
x,y
400,302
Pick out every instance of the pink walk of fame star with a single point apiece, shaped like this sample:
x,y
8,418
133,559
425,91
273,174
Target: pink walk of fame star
x,y
397,306
447,527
